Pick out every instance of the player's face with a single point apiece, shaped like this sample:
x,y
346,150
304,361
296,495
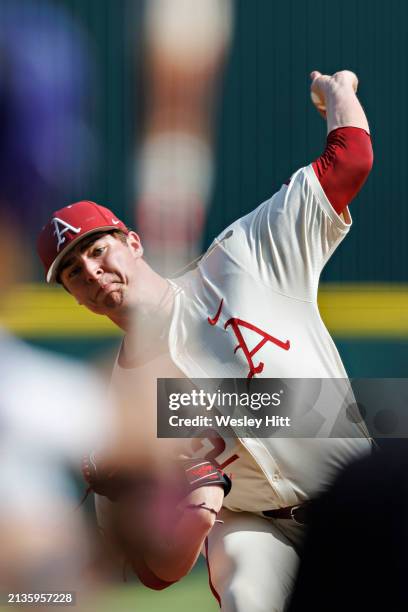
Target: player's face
x,y
99,272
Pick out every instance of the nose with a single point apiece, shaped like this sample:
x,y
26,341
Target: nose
x,y
92,270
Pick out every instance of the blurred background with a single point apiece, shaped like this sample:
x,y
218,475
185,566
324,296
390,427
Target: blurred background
x,y
263,127
181,121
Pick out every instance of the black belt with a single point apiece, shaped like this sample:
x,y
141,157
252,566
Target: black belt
x,y
298,513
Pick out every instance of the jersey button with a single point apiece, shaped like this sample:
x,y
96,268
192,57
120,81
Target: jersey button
x,y
276,477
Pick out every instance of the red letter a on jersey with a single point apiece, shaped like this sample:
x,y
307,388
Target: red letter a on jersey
x,y
236,324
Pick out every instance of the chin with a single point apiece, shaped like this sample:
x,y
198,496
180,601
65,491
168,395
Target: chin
x,y
114,299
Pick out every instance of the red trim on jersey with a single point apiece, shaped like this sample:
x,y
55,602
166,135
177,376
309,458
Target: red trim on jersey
x,y
214,320
212,587
231,459
345,165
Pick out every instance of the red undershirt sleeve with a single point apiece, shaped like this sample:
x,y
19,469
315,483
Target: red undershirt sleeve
x,y
345,165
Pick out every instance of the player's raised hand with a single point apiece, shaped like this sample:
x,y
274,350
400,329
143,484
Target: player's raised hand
x,y
322,84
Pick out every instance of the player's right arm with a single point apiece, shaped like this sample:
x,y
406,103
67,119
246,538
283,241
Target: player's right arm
x,y
290,237
347,160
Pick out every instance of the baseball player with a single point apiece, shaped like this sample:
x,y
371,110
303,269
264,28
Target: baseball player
x,y
255,286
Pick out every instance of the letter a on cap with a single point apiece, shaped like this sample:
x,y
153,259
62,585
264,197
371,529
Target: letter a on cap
x,y
60,228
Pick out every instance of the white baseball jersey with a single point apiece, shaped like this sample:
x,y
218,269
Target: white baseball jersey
x,y
257,285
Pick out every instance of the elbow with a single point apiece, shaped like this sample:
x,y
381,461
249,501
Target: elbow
x,y
370,157
363,158
156,584
356,169
163,575
364,162
149,578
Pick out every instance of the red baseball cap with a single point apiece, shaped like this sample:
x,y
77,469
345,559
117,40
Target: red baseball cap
x,y
67,227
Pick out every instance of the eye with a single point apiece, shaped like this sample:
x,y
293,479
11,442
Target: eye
x,y
74,271
98,251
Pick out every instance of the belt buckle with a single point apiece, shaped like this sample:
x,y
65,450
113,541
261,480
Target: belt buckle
x,y
292,516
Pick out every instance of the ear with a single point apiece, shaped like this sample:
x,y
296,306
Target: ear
x,y
135,244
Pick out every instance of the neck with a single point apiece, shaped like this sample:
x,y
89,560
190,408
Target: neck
x,y
148,328
149,301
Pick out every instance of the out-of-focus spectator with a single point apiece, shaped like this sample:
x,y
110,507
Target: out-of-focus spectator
x,y
46,144
185,47
52,410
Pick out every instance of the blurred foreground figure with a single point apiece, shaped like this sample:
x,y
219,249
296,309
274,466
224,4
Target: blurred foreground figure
x,y
356,552
51,409
43,435
185,47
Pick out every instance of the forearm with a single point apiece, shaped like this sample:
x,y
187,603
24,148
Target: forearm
x,y
343,108
159,526
159,542
175,555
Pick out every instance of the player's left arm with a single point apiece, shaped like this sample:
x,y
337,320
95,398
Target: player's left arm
x,y
162,542
171,557
347,160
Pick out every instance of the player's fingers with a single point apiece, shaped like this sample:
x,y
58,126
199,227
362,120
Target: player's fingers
x,y
314,74
347,76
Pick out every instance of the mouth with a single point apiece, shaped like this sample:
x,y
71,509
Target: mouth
x,y
106,289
